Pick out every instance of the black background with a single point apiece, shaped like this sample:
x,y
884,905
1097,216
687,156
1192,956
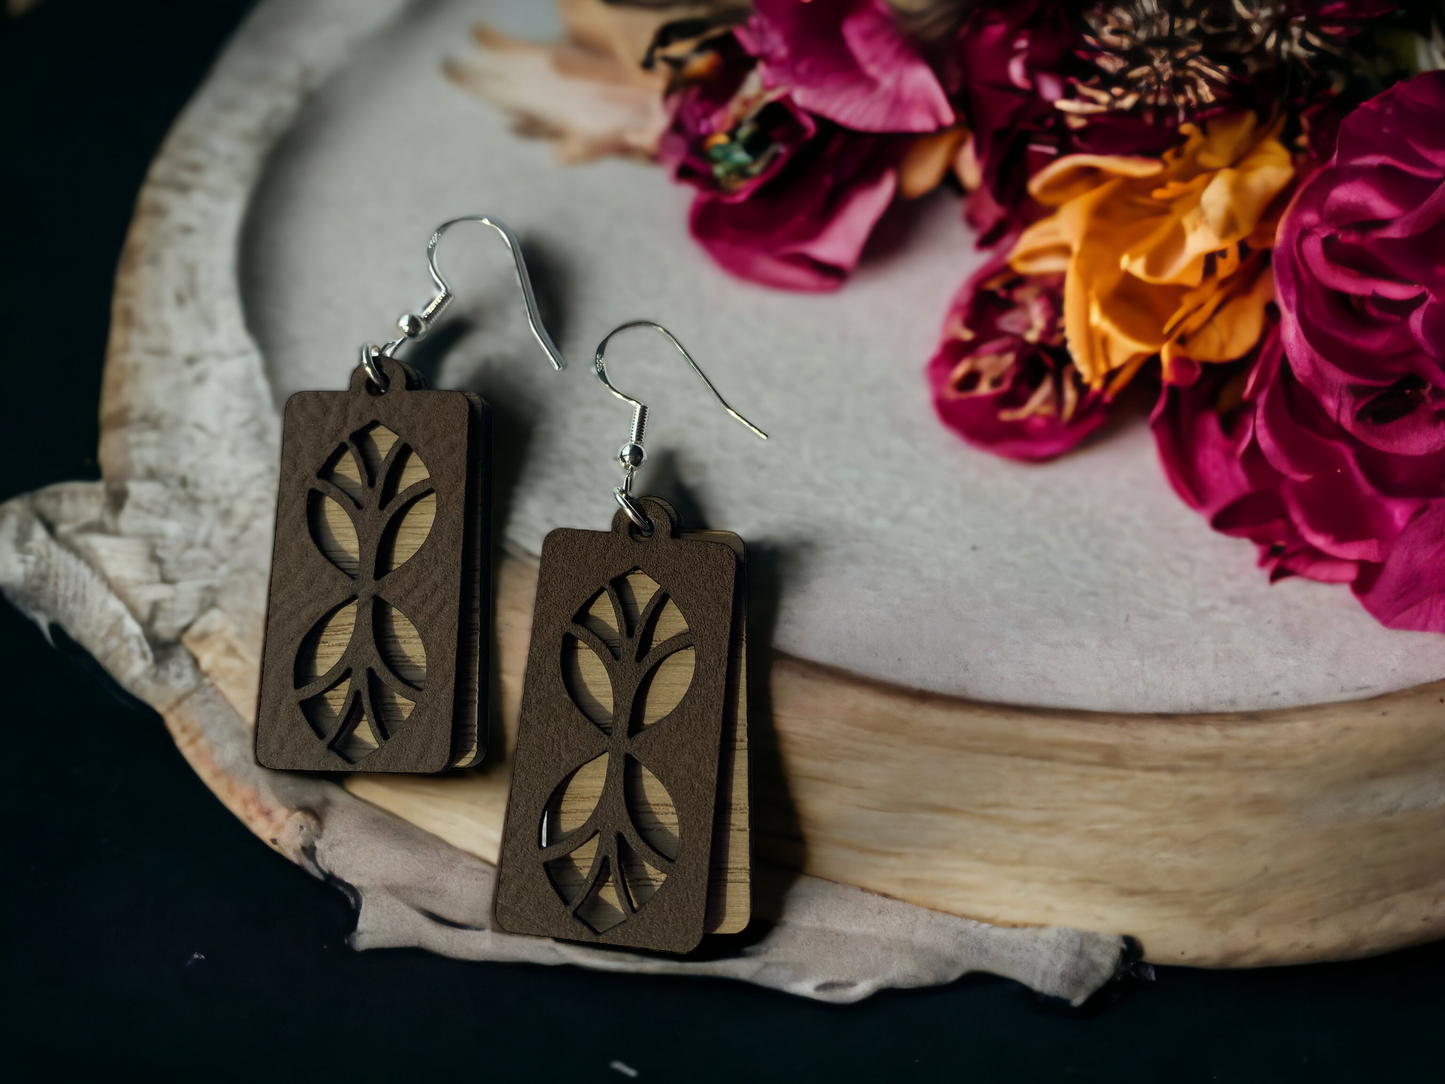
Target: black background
x,y
145,928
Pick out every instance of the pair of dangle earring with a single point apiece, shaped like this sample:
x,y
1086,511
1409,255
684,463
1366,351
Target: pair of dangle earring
x,y
628,818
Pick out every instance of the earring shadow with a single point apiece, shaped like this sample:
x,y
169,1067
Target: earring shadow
x,y
513,423
779,848
514,418
664,479
430,354
551,284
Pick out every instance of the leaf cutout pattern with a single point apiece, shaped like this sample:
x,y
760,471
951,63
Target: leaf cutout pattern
x,y
356,739
653,811
610,831
392,709
344,472
572,803
667,623
361,669
325,711
641,879
634,592
568,873
373,444
603,908
406,471
334,532
399,644
600,619
585,674
663,689
325,645
405,534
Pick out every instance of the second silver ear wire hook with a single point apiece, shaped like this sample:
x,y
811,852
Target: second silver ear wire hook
x,y
632,454
415,325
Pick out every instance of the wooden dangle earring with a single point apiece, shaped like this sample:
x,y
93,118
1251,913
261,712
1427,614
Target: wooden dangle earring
x,y
375,653
628,818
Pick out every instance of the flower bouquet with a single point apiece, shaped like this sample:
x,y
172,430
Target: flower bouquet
x,y
1235,206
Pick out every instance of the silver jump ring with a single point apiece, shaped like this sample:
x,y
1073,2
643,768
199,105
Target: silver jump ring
x,y
369,354
634,511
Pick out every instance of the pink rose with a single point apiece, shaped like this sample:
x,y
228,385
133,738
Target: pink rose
x,y
1253,448
847,61
1360,273
1002,378
789,141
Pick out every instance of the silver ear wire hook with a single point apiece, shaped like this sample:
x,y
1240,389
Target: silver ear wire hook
x,y
633,455
415,325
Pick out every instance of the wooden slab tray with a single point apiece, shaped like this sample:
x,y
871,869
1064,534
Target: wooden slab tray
x,y
1214,839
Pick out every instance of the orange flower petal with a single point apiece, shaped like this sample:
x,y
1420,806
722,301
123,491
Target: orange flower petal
x,y
1161,256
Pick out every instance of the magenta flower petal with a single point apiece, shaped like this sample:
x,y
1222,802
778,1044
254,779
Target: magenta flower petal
x,y
806,232
1360,275
1256,452
784,198
1001,378
846,60
1408,590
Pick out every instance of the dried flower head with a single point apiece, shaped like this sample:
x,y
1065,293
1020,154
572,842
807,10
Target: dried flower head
x,y
1151,56
1178,58
1279,33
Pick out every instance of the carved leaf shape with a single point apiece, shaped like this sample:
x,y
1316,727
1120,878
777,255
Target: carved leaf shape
x,y
609,871
641,879
344,472
405,533
356,739
653,811
334,532
398,644
630,631
391,707
584,673
364,475
568,873
372,675
600,618
356,714
667,623
373,443
325,645
329,712
663,688
407,469
410,524
635,591
573,801
603,908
